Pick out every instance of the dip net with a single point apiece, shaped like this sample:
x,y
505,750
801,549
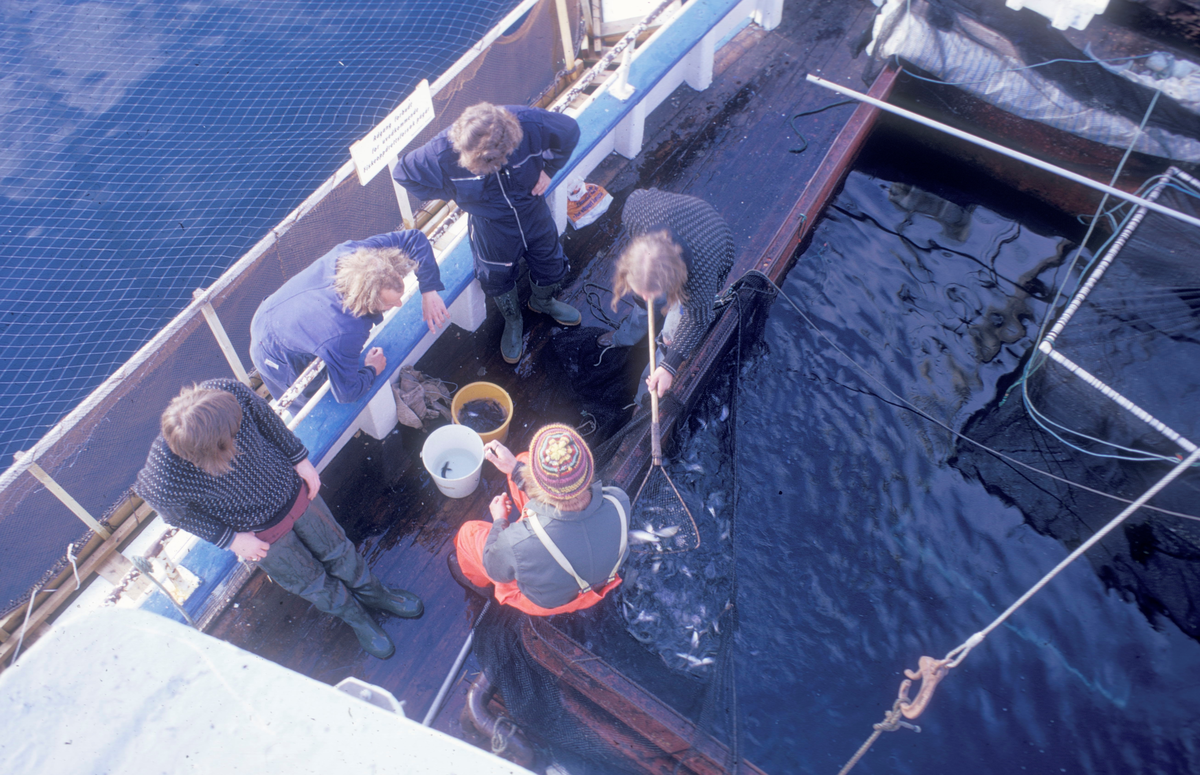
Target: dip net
x,y
671,627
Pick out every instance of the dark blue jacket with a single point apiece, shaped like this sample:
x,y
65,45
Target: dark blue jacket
x,y
305,318
433,172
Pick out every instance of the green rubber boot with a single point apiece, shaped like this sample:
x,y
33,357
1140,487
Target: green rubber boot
x,y
373,639
399,602
511,342
543,301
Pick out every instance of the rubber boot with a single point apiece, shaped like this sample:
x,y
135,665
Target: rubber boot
x,y
457,574
511,342
371,636
542,300
399,602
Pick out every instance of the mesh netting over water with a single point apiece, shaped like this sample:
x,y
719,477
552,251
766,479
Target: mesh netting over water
x,y
148,146
224,123
1138,331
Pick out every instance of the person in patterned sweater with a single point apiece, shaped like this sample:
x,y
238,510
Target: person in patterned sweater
x,y
678,252
227,470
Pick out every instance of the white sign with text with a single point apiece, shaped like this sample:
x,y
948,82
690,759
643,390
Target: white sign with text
x,y
373,152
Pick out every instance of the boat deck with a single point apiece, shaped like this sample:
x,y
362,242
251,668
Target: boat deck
x,y
731,145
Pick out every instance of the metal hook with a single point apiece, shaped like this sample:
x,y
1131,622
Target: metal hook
x,y
930,672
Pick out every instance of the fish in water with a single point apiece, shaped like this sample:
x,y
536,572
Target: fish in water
x,y
445,468
693,661
481,415
642,537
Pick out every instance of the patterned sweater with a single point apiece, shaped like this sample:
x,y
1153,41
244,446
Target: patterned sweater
x,y
707,246
262,484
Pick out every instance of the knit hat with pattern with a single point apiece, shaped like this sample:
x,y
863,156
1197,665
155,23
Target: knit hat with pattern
x,y
560,462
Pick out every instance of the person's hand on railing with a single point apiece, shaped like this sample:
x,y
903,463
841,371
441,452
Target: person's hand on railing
x,y
376,360
433,310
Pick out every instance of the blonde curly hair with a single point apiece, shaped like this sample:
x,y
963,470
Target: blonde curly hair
x,y
484,135
362,275
652,265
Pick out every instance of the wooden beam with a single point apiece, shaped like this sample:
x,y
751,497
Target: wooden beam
x,y
689,747
66,588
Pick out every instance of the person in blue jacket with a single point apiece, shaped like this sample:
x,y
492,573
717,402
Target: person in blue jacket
x,y
496,163
327,311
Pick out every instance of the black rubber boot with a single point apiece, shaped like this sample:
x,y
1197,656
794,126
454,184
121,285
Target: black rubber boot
x,y
542,300
371,636
511,342
399,602
464,582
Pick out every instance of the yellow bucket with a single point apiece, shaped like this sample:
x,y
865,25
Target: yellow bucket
x,y
486,390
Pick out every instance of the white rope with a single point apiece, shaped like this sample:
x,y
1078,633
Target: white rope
x,y
74,567
961,652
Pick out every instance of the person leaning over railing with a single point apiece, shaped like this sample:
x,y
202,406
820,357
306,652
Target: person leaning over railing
x,y
679,250
328,309
227,470
563,552
496,164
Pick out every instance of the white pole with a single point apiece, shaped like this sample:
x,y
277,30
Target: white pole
x,y
1082,180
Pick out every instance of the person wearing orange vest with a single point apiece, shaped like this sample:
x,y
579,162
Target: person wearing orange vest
x,y
563,552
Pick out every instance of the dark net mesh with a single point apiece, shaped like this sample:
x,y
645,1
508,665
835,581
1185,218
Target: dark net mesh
x,y
1136,332
1139,332
75,326
671,626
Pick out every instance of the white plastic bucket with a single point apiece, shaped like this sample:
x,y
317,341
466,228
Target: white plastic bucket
x,y
453,456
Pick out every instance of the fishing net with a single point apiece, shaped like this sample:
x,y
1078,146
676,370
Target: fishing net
x,y
1137,330
535,699
1017,62
671,627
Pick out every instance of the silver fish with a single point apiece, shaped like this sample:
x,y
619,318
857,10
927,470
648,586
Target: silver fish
x,y
645,617
693,661
642,537
695,639
667,532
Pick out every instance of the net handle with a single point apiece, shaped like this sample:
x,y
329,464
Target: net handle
x,y
655,440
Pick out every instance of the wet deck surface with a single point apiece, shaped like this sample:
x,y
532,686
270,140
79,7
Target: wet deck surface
x,y
731,145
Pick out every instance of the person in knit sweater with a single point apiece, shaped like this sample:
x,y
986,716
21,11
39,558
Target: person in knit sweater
x,y
678,250
227,470
563,552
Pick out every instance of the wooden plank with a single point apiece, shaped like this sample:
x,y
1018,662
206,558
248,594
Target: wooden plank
x,y
644,715
66,588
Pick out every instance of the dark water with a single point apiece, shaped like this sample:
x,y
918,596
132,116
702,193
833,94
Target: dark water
x,y
148,146
859,548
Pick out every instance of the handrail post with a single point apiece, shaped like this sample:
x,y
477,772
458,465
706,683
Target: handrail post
x,y
564,27
406,209
65,497
218,330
